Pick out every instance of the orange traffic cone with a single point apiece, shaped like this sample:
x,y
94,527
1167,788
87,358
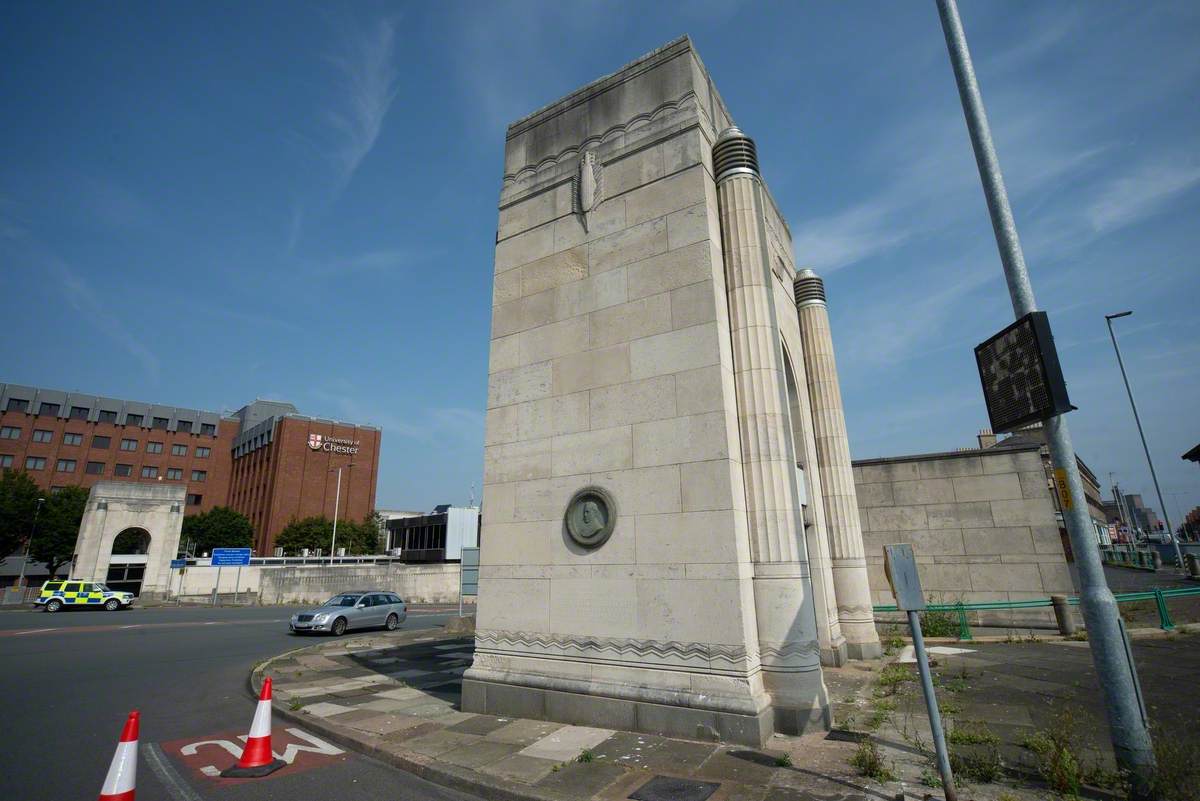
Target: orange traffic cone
x,y
122,773
257,759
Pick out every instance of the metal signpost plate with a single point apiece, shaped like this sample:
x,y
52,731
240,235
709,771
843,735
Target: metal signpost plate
x,y
178,563
470,571
900,567
1022,379
230,557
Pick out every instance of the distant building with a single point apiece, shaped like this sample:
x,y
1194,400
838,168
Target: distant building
x,y
438,536
385,515
1142,516
266,460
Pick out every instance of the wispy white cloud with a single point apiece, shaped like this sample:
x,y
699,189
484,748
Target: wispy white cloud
x,y
1141,192
83,299
366,86
430,426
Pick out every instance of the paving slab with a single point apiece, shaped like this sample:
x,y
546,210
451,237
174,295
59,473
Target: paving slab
x,y
478,754
385,724
324,710
440,741
480,724
567,743
524,731
520,768
580,780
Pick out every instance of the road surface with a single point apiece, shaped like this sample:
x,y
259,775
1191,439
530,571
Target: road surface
x,y
70,679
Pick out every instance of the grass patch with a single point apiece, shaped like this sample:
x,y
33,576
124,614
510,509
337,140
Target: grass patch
x,y
976,763
930,778
1080,635
585,755
893,675
870,763
295,705
783,761
949,708
881,710
1058,760
1178,773
969,732
938,624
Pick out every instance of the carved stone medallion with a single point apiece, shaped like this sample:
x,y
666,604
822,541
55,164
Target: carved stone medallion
x,y
591,516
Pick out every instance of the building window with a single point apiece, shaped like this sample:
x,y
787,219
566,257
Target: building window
x,y
199,475
202,453
17,405
94,468
101,442
6,460
149,471
107,417
49,409
72,439
65,466
35,463
123,470
56,489
194,500
79,412
209,429
133,419
160,423
154,447
42,435
183,426
175,474
179,450
10,432
129,444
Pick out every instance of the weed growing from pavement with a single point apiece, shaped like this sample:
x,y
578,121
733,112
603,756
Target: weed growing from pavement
x,y
1178,768
295,706
1057,756
783,761
938,624
585,755
979,763
1080,635
970,732
870,763
892,676
930,778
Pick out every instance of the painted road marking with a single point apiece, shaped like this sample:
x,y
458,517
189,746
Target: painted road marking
x,y
301,751
166,773
32,631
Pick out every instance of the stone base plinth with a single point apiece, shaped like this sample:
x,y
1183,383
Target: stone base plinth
x,y
510,700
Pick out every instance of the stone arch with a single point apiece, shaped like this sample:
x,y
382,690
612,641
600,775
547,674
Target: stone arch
x,y
153,512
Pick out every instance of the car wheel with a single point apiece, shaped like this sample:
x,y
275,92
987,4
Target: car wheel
x,y
339,627
112,605
393,622
54,605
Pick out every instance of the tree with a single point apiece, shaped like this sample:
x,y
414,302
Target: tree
x,y
53,543
317,532
18,505
221,527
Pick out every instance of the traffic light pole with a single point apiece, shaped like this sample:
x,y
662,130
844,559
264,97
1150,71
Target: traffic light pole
x,y
1106,633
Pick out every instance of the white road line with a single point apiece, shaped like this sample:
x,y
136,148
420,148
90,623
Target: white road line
x,y
32,631
166,773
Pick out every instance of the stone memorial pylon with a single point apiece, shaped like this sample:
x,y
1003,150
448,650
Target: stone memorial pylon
x,y
652,511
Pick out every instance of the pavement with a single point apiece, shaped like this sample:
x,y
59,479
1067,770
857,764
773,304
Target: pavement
x,y
396,697
70,679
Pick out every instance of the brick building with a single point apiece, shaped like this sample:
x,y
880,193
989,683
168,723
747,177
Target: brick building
x,y
266,461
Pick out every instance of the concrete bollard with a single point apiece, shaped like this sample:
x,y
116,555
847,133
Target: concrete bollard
x,y
1062,614
1157,560
1193,565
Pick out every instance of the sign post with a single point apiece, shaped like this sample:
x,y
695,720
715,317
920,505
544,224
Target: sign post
x,y
468,576
178,564
228,557
900,566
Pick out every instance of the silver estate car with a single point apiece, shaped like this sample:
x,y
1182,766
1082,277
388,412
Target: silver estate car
x,y
362,609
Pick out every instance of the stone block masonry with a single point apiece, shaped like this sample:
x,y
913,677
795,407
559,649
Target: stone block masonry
x,y
980,532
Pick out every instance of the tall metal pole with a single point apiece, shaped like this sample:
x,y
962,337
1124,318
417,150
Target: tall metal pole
x,y
1106,634
29,542
1108,318
336,499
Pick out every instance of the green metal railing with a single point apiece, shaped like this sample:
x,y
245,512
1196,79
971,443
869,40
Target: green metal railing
x,y
1139,559
1159,596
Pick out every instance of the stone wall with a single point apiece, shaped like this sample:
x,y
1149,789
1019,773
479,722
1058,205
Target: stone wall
x,y
414,583
981,522
436,583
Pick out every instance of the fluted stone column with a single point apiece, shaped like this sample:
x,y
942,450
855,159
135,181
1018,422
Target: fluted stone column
x,y
787,624
837,478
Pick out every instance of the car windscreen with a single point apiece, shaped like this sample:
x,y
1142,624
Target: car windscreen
x,y
342,600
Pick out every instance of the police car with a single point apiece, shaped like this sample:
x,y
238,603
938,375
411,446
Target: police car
x,y
61,594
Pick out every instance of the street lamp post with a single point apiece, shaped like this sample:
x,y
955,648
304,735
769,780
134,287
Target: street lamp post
x,y
1108,318
1106,633
29,543
337,497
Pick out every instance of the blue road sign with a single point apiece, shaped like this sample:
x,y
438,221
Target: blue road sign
x,y
230,557
178,563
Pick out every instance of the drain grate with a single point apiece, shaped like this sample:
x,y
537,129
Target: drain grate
x,y
669,788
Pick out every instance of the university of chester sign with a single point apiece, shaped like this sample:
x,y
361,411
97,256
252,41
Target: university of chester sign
x,y
320,442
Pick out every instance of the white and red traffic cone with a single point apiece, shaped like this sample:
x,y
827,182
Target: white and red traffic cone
x,y
122,773
257,759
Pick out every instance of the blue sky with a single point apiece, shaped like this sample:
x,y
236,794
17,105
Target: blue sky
x,y
203,204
